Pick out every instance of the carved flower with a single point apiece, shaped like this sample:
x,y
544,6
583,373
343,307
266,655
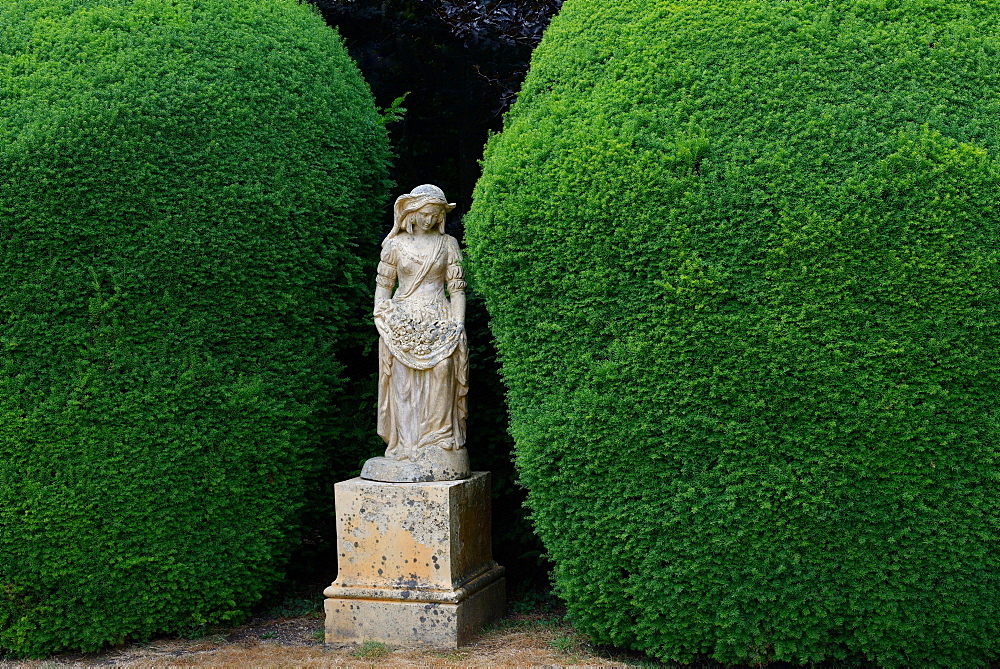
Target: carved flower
x,y
419,337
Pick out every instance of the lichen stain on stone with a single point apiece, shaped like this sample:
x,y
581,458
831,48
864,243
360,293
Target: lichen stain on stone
x,y
414,526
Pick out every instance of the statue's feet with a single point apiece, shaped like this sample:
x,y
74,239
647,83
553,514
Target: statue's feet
x,y
432,463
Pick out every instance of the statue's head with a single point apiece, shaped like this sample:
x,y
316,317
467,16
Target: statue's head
x,y
409,204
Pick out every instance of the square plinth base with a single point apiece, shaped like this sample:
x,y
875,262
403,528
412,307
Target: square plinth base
x,y
398,622
414,563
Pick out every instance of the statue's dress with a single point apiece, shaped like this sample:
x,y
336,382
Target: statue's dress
x,y
423,353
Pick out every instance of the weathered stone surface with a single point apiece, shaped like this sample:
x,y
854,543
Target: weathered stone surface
x,y
415,563
430,464
423,352
437,624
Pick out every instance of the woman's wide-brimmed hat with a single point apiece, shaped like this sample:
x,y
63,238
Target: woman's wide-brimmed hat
x,y
414,200
420,196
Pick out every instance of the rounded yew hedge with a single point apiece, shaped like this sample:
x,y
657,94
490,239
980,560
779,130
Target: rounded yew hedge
x,y
183,187
741,260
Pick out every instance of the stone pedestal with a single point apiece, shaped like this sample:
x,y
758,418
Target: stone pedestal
x,y
415,563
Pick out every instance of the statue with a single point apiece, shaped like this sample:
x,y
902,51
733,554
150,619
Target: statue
x,y
423,352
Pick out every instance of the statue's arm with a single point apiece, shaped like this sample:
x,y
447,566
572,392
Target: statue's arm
x,y
458,305
456,281
385,277
382,294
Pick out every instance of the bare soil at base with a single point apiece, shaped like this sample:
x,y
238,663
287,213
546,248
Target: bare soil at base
x,y
519,640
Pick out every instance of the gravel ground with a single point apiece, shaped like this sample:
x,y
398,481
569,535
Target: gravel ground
x,y
521,640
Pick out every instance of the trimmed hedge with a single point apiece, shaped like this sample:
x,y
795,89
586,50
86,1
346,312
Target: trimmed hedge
x,y
741,259
184,185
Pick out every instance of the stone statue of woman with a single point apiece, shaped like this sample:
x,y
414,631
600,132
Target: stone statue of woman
x,y
423,353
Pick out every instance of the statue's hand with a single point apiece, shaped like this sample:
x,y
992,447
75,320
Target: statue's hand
x,y
381,307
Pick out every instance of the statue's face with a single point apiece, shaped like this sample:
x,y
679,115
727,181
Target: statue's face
x,y
429,216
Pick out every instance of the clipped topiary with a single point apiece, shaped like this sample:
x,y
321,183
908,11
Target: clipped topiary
x,y
184,183
741,259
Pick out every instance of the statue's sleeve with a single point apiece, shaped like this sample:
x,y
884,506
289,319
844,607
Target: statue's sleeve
x,y
456,273
386,277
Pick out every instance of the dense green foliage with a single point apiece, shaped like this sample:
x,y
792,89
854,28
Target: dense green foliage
x,y
184,185
741,263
